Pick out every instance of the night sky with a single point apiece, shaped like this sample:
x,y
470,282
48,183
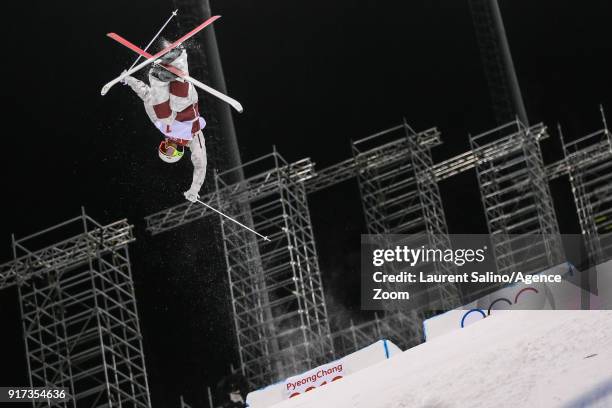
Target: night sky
x,y
312,76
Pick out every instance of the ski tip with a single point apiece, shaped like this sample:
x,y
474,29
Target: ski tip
x,y
267,239
106,88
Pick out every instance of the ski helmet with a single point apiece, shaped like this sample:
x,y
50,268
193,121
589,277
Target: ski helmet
x,y
170,152
162,74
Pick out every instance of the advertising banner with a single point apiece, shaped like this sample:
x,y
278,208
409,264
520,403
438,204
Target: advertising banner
x,y
314,378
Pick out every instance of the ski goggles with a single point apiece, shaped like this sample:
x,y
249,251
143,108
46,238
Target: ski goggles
x,y
171,150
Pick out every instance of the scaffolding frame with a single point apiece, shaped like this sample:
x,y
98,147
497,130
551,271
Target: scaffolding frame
x,y
178,215
280,314
79,315
400,195
516,198
589,166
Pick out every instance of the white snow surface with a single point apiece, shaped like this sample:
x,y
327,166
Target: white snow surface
x,y
512,359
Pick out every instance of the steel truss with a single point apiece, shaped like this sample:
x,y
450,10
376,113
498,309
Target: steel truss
x,y
79,314
589,160
348,169
400,195
184,213
280,314
516,198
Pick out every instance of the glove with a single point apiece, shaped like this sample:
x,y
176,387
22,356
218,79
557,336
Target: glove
x,y
191,196
124,80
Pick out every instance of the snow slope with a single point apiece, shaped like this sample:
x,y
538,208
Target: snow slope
x,y
512,359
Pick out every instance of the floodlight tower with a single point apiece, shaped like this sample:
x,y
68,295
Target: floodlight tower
x,y
506,97
205,63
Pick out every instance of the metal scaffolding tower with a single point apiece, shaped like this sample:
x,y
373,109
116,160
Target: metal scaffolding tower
x,y
279,308
79,315
516,198
589,162
400,195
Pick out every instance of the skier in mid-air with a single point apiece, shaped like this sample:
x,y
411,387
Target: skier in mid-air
x,y
171,101
172,105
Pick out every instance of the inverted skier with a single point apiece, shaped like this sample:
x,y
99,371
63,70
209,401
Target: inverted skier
x,y
172,105
171,102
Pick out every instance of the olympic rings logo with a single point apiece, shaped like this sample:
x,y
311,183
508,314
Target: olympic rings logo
x,y
506,300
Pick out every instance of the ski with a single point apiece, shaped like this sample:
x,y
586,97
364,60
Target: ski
x,y
232,102
159,54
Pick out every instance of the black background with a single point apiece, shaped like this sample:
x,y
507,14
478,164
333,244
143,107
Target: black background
x,y
312,76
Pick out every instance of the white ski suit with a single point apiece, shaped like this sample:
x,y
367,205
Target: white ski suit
x,y
173,109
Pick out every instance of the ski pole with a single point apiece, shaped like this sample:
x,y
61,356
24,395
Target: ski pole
x,y
233,220
174,13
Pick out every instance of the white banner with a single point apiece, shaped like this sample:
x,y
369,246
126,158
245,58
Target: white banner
x,y
325,374
314,378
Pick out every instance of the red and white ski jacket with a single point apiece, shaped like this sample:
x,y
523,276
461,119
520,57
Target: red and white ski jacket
x,y
173,109
171,106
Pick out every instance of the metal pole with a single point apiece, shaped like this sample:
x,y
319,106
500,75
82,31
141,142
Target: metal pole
x,y
174,13
210,399
233,220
